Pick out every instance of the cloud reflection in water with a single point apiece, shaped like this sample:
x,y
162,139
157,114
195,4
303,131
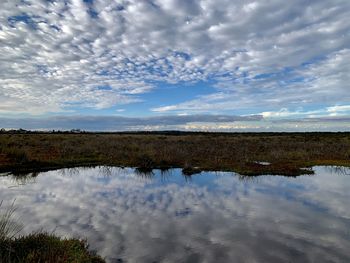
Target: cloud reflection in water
x,y
214,217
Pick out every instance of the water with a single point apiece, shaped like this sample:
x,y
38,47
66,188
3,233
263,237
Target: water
x,y
210,217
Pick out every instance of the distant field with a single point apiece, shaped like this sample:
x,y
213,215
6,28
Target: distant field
x,y
239,152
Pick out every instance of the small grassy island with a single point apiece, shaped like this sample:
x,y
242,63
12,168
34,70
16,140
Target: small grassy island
x,y
245,153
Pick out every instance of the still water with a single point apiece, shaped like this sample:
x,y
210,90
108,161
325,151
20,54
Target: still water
x,y
210,217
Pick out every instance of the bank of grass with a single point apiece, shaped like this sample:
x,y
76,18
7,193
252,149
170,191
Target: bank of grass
x,y
39,247
46,248
287,153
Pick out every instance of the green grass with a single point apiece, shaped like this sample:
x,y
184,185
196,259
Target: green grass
x,y
39,247
46,248
287,152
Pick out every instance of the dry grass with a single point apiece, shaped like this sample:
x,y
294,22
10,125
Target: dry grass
x,y
287,152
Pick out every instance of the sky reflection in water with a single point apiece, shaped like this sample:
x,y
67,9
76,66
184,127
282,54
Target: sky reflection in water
x,y
211,217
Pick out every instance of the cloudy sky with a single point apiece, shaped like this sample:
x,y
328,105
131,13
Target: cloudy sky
x,y
175,64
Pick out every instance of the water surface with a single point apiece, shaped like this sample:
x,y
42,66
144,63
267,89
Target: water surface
x,y
210,217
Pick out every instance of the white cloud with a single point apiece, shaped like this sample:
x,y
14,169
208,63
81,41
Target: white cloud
x,y
102,123
322,83
283,120
338,110
335,110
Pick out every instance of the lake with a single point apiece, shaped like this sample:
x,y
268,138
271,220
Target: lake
x,y
128,216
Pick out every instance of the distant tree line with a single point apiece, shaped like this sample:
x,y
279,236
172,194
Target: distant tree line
x,y
23,131
165,132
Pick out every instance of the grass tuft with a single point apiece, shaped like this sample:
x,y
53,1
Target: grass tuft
x,y
39,247
9,228
45,247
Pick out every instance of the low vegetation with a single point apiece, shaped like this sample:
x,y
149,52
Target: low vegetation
x,y
39,247
287,153
44,247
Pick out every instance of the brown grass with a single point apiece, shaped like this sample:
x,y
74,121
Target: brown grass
x,y
287,152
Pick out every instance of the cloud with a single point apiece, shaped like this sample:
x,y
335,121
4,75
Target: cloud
x,y
321,120
282,121
328,113
118,123
335,110
59,56
323,83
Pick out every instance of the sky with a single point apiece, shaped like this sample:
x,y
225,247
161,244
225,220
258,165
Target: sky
x,y
212,65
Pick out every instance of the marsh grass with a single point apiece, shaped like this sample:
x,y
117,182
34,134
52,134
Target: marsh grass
x,y
40,247
9,227
46,248
287,153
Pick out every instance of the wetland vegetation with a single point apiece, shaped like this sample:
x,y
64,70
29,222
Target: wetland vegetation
x,y
245,153
39,247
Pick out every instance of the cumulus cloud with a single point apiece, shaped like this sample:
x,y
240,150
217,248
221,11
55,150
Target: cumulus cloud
x,y
327,113
58,56
165,218
318,84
